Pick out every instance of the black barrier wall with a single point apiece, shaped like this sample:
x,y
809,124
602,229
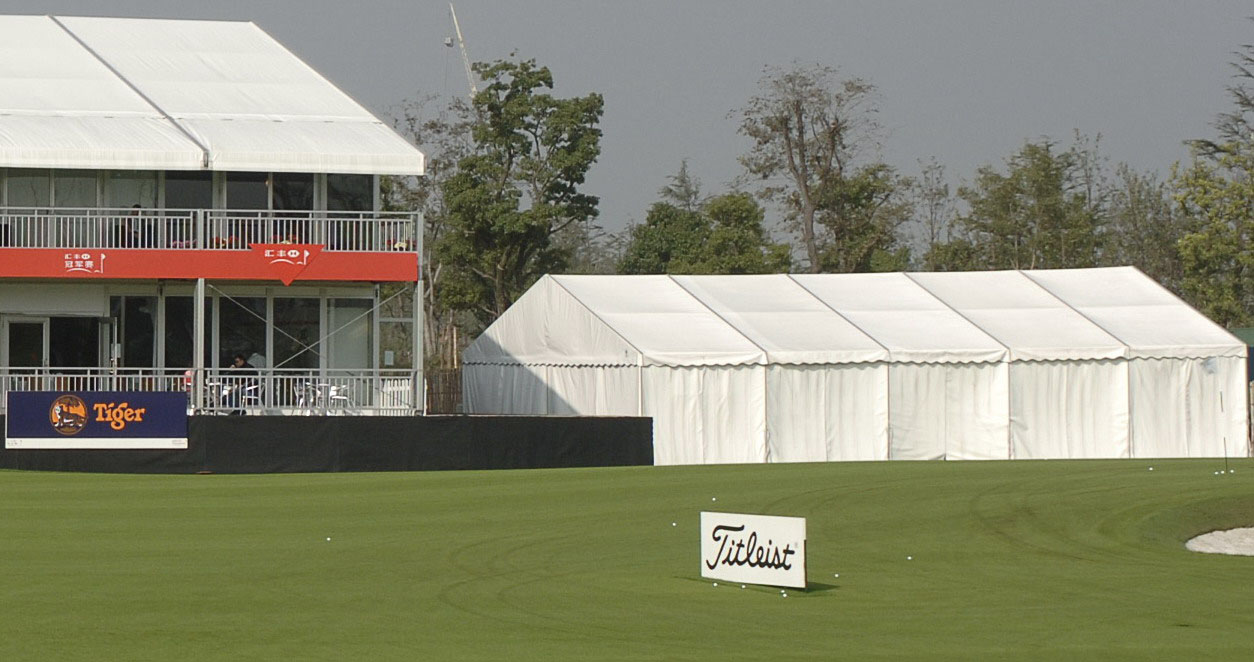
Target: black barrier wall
x,y
279,444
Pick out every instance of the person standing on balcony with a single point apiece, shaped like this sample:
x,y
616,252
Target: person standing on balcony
x,y
241,384
127,231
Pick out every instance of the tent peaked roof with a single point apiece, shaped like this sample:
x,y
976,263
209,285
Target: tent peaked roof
x,y
955,317
136,94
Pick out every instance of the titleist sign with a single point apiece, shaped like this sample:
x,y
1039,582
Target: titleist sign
x,y
755,549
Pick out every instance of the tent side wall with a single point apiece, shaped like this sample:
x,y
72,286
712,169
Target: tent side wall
x,y
706,414
956,411
823,413
1069,409
1194,426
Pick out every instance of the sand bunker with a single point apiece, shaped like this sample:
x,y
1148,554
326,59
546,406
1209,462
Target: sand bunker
x,y
1232,541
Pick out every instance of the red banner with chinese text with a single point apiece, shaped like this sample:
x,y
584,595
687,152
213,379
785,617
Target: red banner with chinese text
x,y
264,262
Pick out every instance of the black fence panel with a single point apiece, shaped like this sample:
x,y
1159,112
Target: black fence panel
x,y
283,444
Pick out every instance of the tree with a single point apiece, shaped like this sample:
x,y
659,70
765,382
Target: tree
x,y
684,191
738,243
517,190
725,236
1041,214
444,136
1143,227
1235,127
1217,253
811,136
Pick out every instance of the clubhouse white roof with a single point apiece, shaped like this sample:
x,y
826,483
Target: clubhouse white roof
x,y
955,317
141,94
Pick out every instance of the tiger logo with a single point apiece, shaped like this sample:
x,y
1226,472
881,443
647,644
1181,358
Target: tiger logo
x,y
68,415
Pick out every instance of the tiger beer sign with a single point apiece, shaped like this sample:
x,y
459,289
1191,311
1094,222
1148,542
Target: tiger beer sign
x,y
96,420
754,549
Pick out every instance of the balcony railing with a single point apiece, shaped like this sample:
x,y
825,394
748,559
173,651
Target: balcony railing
x,y
217,229
281,391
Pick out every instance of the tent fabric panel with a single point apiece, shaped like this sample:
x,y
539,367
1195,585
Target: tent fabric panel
x,y
827,413
899,314
213,68
251,103
505,389
662,320
1022,315
60,107
784,319
297,145
1193,425
1143,315
547,326
706,415
44,71
917,411
957,412
593,390
1072,409
119,143
977,412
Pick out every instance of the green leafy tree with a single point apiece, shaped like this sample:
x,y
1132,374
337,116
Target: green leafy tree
x,y
813,138
1143,227
518,190
1039,214
1217,253
725,236
738,243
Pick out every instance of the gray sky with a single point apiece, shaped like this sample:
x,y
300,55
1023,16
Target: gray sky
x,y
965,82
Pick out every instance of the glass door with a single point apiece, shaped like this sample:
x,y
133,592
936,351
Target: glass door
x,y
26,352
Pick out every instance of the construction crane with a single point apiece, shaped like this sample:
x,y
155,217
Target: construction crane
x,y
461,43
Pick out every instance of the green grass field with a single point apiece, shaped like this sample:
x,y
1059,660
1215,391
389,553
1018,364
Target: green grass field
x,y
1011,560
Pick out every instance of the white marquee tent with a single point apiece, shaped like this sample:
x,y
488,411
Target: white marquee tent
x,y
1081,363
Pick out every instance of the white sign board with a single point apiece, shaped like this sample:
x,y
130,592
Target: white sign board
x,y
754,549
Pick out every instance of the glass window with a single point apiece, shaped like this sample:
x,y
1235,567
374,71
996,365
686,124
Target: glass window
x,y
76,188
30,188
135,319
293,191
296,333
350,193
396,345
73,342
188,190
125,189
242,330
350,333
247,190
180,332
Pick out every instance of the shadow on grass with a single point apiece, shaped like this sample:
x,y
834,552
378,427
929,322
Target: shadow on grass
x,y
815,589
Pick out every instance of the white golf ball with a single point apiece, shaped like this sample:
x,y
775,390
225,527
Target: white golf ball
x,y
328,540
1151,468
716,583
909,558
713,498
836,575
742,586
784,595
673,524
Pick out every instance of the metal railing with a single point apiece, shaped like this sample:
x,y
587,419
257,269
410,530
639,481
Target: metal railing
x,y
280,391
217,229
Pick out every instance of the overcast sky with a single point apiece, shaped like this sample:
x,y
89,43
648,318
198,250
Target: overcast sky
x,y
964,82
